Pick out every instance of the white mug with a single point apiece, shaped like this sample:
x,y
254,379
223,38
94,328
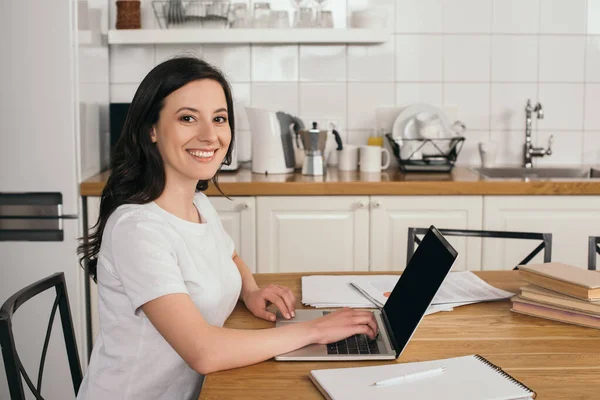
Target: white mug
x,y
429,126
371,159
487,152
347,159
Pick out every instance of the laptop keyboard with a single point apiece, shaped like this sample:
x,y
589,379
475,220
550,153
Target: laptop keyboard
x,y
357,344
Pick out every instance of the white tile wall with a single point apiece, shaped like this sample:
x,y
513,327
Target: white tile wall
x,y
486,57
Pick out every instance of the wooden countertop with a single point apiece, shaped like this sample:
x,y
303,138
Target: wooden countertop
x,y
558,361
461,181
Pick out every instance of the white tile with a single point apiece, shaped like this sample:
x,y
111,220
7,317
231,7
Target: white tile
x,y
473,102
516,16
514,58
385,10
409,93
419,16
592,107
592,67
122,92
322,63
563,16
241,99
469,155
467,58
508,104
233,60
278,96
563,106
372,63
130,64
93,65
274,63
593,17
419,58
566,148
467,16
562,58
164,52
359,137
591,148
363,98
320,101
509,149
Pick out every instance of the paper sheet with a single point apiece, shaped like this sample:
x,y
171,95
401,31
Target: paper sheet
x,y
459,288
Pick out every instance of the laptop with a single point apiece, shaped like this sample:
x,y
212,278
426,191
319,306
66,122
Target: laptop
x,y
400,316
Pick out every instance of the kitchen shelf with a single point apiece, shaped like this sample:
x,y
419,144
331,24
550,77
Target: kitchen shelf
x,y
262,36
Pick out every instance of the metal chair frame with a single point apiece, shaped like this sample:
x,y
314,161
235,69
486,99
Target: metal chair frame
x,y
546,239
593,249
12,363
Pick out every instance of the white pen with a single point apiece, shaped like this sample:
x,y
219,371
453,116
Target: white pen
x,y
409,377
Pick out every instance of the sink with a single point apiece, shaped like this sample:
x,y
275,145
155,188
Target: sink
x,y
539,173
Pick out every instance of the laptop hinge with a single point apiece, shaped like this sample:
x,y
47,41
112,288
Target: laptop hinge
x,y
390,332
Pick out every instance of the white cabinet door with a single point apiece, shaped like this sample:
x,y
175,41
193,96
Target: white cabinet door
x,y
238,216
391,216
312,233
570,219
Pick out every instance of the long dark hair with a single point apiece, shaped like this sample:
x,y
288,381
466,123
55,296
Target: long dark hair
x,y
137,171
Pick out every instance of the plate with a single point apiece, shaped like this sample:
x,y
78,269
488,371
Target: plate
x,y
404,125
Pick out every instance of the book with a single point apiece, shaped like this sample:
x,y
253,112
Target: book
x,y
563,278
554,313
545,296
469,377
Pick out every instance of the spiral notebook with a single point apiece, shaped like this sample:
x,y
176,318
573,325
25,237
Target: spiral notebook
x,y
466,378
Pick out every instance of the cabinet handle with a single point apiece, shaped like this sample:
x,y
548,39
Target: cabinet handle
x,y
246,206
377,204
362,204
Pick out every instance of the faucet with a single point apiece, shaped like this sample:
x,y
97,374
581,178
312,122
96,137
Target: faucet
x,y
529,151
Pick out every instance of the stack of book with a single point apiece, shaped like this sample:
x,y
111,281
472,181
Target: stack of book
x,y
560,292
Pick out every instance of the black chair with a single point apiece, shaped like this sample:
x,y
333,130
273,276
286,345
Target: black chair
x,y
12,363
593,249
546,238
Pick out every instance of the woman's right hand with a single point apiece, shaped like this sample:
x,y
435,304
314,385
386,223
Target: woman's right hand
x,y
342,324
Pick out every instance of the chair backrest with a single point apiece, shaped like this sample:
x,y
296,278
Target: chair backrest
x,y
12,363
593,249
546,239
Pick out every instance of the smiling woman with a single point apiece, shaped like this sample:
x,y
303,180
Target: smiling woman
x,y
168,274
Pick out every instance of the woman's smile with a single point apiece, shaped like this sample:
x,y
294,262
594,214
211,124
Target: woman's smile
x,y
202,155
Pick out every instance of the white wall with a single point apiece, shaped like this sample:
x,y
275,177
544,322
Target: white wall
x,y
485,56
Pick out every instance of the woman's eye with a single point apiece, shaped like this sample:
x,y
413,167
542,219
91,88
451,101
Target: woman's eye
x,y
187,118
221,119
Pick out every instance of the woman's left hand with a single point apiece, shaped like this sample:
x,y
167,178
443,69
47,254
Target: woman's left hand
x,y
258,300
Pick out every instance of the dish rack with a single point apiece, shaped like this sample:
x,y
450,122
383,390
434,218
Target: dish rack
x,y
426,155
191,13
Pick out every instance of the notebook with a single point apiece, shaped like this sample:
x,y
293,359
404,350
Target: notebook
x,y
464,378
550,297
563,278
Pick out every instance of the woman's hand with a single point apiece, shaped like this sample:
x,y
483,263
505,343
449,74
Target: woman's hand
x,y
258,300
342,324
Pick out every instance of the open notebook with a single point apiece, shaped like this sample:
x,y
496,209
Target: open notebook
x,y
465,378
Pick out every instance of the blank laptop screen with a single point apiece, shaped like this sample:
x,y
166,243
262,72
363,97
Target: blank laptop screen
x,y
418,285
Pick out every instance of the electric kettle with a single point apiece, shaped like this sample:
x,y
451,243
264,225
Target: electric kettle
x,y
272,140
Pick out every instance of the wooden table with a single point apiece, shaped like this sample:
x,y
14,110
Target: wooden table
x,y
558,361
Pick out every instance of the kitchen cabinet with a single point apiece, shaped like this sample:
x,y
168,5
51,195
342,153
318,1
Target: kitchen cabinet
x,y
312,233
570,219
391,216
238,216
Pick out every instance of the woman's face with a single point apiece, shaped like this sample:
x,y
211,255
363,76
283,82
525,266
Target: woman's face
x,y
192,133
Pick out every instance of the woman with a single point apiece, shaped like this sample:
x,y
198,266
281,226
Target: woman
x,y
168,274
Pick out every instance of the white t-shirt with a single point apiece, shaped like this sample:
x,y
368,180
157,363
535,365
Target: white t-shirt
x,y
146,253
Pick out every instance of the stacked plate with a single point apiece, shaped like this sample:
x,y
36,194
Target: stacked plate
x,y
423,131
